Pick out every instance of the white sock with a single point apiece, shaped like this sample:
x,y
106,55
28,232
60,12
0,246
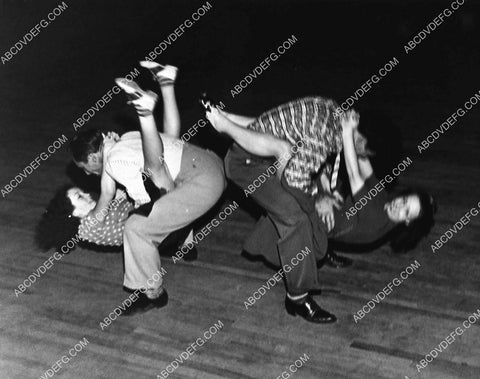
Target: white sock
x,y
298,297
153,293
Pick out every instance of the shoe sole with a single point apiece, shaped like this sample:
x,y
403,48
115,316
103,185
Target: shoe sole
x,y
133,91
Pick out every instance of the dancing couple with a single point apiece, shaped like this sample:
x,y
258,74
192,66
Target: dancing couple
x,y
185,181
304,205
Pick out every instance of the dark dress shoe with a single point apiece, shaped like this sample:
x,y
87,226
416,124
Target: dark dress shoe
x,y
337,261
144,304
191,255
309,310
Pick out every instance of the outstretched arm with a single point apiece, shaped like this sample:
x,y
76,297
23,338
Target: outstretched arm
x,y
366,169
107,184
349,124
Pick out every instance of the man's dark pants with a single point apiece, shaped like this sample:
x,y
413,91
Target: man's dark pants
x,y
287,228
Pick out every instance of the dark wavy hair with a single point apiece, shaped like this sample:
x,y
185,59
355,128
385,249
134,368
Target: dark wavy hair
x,y
84,143
57,224
405,237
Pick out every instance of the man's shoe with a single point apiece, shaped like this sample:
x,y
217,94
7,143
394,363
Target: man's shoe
x,y
309,310
337,261
164,75
144,304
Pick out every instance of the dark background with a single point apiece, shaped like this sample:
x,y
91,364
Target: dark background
x,y
72,63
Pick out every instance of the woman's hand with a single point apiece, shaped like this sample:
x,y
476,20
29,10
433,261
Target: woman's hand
x,y
350,120
324,207
108,141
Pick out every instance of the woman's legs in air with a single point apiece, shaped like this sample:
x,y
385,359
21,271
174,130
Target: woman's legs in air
x,y
261,144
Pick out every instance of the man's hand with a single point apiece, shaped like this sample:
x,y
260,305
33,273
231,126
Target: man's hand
x,y
324,206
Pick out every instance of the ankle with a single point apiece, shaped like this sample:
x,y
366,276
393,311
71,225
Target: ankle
x,y
165,82
297,298
154,293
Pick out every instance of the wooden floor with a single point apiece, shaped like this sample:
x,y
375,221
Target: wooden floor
x,y
68,302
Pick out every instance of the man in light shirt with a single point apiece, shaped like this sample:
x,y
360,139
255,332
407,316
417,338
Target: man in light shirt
x,y
193,179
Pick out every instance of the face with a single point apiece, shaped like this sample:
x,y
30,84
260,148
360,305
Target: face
x,y
403,209
92,166
82,202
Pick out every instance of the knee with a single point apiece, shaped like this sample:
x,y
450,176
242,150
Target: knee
x,y
295,219
283,150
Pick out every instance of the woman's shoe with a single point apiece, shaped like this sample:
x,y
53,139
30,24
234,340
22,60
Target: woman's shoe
x,y
164,75
309,310
131,88
206,102
337,261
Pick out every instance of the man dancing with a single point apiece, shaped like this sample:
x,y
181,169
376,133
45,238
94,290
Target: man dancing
x,y
192,178
310,124
295,217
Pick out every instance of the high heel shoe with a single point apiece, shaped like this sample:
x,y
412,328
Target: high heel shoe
x,y
131,88
206,102
337,261
164,75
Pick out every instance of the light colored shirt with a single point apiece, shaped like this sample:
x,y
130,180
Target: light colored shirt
x,y
125,163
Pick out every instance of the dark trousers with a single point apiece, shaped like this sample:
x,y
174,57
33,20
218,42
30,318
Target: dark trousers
x,y
287,228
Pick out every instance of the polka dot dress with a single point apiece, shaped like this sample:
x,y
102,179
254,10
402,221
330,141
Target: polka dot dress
x,y
109,232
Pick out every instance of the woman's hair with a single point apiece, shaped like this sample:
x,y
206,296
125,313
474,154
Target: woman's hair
x,y
86,142
406,237
57,225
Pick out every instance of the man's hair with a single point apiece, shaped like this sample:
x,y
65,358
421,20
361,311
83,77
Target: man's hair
x,y
85,143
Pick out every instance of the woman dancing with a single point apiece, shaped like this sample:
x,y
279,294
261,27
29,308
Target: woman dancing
x,y
272,135
74,214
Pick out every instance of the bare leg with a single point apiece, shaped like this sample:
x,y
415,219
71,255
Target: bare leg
x,y
171,115
238,119
264,145
151,141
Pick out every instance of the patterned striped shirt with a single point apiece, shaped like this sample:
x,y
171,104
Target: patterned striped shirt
x,y
312,121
